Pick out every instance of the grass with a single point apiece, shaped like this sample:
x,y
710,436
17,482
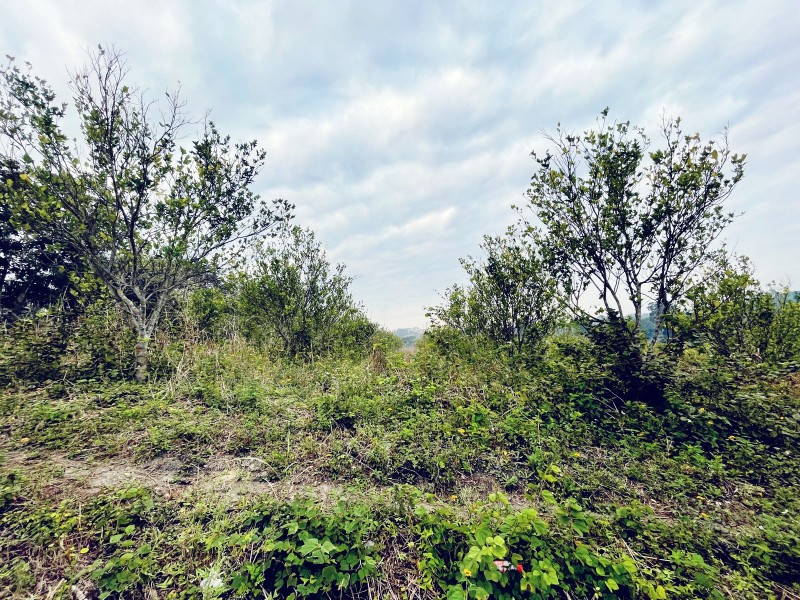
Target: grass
x,y
401,476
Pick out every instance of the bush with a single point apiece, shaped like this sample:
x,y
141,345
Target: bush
x,y
730,316
90,342
294,298
511,301
212,310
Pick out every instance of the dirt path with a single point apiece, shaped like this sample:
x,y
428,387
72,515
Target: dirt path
x,y
228,478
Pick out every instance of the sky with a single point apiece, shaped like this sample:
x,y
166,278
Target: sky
x,y
402,131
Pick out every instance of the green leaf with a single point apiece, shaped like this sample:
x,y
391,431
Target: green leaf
x,y
309,546
329,574
328,547
480,593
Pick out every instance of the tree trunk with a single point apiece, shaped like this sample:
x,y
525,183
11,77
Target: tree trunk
x,y
144,327
141,350
141,355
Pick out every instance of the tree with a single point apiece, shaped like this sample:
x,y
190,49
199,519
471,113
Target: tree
x,y
35,272
731,316
631,223
294,294
147,216
511,298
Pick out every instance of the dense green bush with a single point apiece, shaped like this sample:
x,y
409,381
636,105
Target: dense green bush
x,y
32,347
512,300
213,312
295,299
88,342
732,317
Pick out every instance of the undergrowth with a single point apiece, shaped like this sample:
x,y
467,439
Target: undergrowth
x,y
402,476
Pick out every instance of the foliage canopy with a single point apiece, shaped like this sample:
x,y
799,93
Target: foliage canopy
x,y
295,294
147,215
630,222
511,298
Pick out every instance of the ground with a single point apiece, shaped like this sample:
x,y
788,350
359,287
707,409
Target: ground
x,y
402,475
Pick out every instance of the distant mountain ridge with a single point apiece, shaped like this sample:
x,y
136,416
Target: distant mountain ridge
x,y
409,335
793,296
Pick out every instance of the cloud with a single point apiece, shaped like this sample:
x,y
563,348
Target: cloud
x,y
417,230
402,131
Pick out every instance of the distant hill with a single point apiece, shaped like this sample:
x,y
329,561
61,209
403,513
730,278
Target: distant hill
x,y
649,319
409,335
790,297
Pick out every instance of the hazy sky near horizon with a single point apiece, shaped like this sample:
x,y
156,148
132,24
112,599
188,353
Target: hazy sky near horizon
x,y
402,131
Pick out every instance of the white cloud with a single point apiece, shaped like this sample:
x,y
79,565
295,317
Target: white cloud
x,y
402,131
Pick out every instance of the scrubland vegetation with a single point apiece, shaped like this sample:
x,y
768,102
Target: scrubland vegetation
x,y
174,424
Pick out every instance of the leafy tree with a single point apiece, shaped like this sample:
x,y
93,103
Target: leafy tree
x,y
734,318
147,216
631,223
511,298
294,294
212,309
34,271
